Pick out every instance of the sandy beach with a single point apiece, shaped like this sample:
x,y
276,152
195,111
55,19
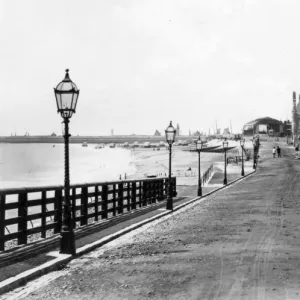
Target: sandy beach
x,y
184,163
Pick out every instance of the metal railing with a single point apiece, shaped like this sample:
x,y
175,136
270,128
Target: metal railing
x,y
207,174
38,210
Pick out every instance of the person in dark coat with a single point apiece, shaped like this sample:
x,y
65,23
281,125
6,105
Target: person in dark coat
x,y
278,151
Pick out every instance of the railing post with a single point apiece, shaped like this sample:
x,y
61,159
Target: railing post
x,y
175,187
104,198
140,194
43,211
84,203
114,199
145,193
133,193
161,190
73,201
96,202
128,197
2,222
58,211
120,198
22,214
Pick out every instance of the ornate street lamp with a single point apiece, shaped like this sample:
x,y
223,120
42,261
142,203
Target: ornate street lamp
x,y
198,149
225,147
170,137
66,94
242,142
254,153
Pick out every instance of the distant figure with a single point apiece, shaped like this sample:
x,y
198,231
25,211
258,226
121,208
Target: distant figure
x,y
125,176
274,152
120,177
278,151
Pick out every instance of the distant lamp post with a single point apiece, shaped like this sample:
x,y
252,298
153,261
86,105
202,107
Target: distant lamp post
x,y
170,138
225,147
198,149
242,142
66,94
254,153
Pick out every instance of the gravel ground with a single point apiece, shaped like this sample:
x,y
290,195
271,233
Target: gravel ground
x,y
241,243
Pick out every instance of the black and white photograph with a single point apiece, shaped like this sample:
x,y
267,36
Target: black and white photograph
x,y
149,149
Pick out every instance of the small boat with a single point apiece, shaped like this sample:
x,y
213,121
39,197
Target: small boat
x,y
99,146
84,144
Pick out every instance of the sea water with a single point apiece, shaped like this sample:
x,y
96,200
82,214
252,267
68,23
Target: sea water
x,y
27,165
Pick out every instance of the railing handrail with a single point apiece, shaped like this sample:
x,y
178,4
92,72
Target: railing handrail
x,y
33,189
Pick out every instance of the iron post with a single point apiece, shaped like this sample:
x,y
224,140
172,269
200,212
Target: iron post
x,y
199,176
170,198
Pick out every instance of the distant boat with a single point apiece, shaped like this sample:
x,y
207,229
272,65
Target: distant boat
x,y
84,144
99,146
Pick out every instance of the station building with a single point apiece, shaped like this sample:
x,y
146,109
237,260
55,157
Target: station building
x,y
265,125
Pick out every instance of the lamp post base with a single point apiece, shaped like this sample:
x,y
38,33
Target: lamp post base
x,y
225,181
243,173
169,203
199,193
67,242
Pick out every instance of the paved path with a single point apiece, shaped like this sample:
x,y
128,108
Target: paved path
x,y
240,243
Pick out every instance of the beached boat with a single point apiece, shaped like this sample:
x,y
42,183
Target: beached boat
x,y
84,144
99,146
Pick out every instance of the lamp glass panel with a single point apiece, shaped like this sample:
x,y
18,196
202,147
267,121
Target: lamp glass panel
x,y
225,144
170,136
74,102
199,145
58,101
66,101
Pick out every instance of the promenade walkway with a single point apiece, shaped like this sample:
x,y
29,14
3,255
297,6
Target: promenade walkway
x,y
239,243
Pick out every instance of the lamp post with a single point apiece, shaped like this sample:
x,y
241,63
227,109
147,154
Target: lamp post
x,y
170,137
254,153
66,94
242,142
198,149
225,147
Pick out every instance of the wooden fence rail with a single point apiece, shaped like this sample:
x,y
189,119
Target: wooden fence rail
x,y
25,212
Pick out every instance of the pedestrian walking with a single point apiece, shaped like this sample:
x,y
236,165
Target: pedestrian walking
x,y
274,152
278,151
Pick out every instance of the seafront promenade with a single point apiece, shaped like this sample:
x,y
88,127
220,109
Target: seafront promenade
x,y
241,242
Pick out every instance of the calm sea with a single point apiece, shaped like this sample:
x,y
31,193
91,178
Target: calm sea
x,y
24,165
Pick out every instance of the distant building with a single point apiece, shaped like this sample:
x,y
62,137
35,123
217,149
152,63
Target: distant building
x,y
53,134
111,132
266,125
197,133
190,132
287,128
157,133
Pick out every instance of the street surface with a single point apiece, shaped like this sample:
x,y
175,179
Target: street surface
x,y
240,243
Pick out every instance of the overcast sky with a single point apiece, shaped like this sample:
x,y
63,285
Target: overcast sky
x,y
139,64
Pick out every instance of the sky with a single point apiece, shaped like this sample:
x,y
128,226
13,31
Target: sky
x,y
139,64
